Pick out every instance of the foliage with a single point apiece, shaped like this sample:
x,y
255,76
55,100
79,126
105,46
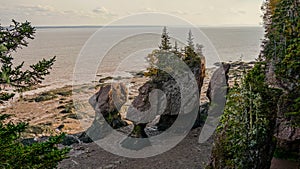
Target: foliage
x,y
282,43
160,60
283,154
244,136
282,50
16,155
165,40
11,39
13,153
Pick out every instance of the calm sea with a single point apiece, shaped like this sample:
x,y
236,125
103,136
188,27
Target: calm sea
x,y
220,44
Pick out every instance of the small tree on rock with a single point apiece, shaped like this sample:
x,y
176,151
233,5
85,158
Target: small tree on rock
x,y
165,40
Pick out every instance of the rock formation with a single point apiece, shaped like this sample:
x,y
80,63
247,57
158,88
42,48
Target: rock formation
x,y
169,100
107,102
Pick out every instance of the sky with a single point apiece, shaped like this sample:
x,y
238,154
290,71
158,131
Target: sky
x,y
103,12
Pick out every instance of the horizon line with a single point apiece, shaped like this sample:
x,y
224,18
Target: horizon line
x,y
100,26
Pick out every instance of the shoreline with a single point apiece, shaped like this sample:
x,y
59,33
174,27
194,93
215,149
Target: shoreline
x,y
50,107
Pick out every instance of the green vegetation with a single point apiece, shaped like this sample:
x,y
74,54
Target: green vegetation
x,y
283,154
16,155
13,153
11,39
282,50
245,136
52,94
244,139
159,59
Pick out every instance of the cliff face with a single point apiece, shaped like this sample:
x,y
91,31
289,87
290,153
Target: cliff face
x,y
287,132
281,55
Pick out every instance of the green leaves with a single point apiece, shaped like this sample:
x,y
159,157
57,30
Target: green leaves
x,y
245,136
165,40
11,38
282,42
13,153
160,59
37,155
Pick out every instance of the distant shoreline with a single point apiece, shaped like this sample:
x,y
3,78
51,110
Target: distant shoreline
x,y
138,26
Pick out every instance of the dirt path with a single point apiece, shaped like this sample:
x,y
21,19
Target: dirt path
x,y
284,164
188,154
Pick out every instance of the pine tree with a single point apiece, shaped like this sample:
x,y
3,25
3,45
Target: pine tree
x,y
13,153
191,58
11,39
190,40
175,47
253,107
282,52
165,40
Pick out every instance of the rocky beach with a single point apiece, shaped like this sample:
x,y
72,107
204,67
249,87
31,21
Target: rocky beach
x,y
50,112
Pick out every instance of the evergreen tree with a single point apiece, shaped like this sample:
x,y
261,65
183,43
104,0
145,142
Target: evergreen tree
x,y
190,40
191,58
253,108
281,51
13,153
175,47
11,39
160,58
165,40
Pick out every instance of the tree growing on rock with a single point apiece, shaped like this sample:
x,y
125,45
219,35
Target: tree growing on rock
x,y
160,60
281,52
165,40
268,99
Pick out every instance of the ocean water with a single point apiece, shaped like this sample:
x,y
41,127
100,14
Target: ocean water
x,y
125,48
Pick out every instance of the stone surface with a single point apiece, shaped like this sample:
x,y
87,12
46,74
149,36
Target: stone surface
x,y
288,136
219,83
167,101
107,102
202,115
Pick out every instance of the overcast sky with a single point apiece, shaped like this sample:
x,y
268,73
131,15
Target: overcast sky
x,y
101,12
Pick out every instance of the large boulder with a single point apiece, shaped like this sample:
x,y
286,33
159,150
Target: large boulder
x,y
216,93
166,100
218,84
107,102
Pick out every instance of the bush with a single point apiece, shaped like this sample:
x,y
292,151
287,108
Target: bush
x,y
37,155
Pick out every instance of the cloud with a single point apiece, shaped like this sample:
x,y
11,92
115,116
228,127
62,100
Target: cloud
x,y
101,10
179,12
149,10
48,15
36,10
